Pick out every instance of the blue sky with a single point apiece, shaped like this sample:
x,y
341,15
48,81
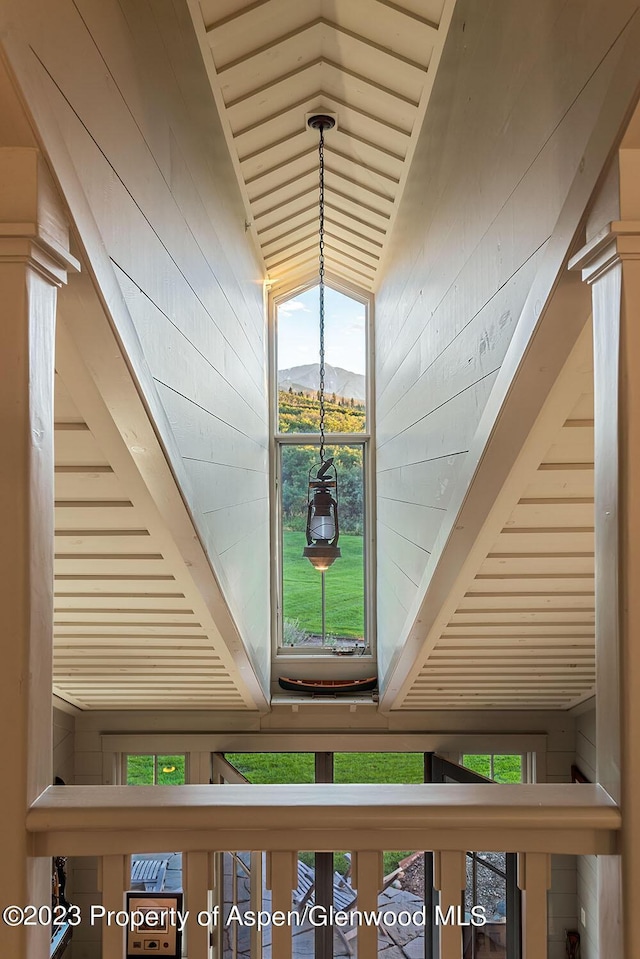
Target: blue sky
x,y
299,336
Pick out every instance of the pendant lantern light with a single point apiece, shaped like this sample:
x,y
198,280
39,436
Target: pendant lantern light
x,y
322,502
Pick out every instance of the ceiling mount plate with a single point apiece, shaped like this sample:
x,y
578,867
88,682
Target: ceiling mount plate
x,y
321,121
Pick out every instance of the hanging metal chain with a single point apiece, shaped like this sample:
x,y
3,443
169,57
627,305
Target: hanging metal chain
x,y
321,288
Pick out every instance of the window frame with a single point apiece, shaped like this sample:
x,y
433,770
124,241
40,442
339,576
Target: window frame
x,y
278,440
123,765
527,761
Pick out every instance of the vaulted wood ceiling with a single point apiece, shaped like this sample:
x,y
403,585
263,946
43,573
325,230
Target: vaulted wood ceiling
x,y
131,630
371,63
522,635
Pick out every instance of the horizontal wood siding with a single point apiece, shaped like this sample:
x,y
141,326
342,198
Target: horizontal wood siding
x,y
517,95
63,746
130,95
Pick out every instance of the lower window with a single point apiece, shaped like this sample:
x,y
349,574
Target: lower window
x,y
323,611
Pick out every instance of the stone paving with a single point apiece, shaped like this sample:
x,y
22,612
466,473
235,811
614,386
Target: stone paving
x,y
394,941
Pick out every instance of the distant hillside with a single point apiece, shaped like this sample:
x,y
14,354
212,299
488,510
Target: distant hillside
x,y
336,380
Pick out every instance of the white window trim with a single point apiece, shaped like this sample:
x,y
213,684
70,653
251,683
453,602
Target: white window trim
x,y
278,440
122,756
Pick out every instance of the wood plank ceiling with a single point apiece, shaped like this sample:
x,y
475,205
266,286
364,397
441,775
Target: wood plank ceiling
x,y
369,62
523,634
130,629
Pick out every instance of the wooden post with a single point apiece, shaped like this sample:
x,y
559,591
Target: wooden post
x,y
256,902
534,879
282,879
114,881
367,878
449,877
217,899
196,872
610,263
33,262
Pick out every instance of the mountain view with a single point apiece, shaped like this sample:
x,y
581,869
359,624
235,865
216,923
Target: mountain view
x,y
336,380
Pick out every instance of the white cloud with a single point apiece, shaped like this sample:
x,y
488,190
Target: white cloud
x,y
293,306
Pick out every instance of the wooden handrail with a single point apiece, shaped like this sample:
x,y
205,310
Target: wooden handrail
x,y
95,820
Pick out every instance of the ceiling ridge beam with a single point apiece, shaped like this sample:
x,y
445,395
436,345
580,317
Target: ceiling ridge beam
x,y
274,144
323,62
420,68
291,107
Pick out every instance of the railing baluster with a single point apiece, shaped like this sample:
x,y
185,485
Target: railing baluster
x,y
534,879
255,888
282,879
234,902
449,876
367,878
196,873
217,899
113,880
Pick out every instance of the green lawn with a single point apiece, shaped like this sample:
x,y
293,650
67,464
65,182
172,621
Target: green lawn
x,y
140,771
506,768
344,588
269,768
348,768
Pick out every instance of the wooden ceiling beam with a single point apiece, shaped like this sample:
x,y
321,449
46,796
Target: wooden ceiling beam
x,y
371,46
408,13
280,166
237,15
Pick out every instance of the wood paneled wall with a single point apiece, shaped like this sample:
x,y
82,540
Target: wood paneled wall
x,y
127,88
517,94
63,746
